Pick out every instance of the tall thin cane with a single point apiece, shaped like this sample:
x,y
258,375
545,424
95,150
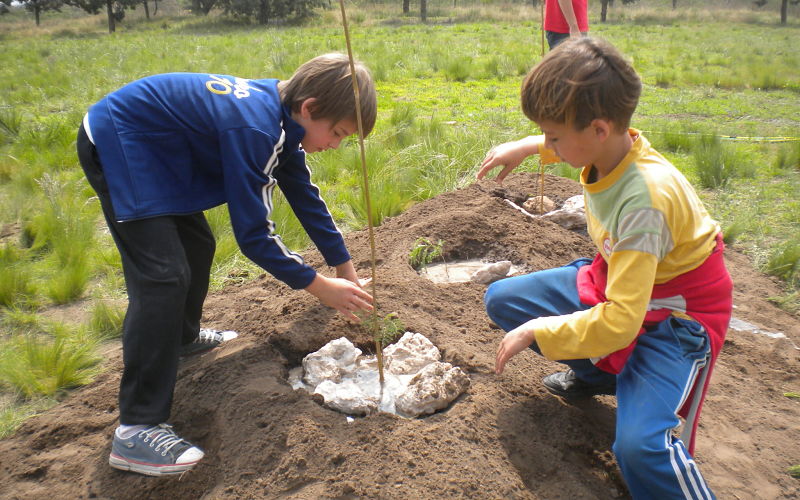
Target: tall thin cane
x,y
357,93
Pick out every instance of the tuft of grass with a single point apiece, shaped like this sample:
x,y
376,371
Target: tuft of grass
x,y
458,68
732,232
715,163
788,156
794,471
36,365
68,283
785,262
13,413
106,320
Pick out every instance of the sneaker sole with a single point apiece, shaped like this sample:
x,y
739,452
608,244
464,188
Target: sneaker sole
x,y
120,463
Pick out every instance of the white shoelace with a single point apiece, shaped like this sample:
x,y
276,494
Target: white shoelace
x,y
207,336
161,436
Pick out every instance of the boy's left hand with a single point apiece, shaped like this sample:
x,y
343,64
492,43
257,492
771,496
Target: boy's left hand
x,y
515,341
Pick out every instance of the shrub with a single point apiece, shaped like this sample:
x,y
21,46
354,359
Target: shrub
x,y
785,262
715,163
788,156
106,320
458,68
41,365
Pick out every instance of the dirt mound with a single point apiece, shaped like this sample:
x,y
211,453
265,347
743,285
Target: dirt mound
x,y
505,438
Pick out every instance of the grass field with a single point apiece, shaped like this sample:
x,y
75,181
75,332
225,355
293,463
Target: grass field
x,y
721,99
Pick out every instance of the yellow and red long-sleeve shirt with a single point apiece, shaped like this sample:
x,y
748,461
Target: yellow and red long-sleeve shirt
x,y
655,239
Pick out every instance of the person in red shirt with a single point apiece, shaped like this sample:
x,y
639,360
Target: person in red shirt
x,y
565,19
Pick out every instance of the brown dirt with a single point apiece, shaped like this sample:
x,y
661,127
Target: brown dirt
x,y
505,438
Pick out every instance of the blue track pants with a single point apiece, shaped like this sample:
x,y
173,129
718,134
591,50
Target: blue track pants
x,y
652,387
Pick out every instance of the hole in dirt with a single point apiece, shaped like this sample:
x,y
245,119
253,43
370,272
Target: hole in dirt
x,y
460,262
416,381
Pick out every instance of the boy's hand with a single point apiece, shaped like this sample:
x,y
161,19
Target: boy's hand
x,y
347,271
341,294
510,155
515,341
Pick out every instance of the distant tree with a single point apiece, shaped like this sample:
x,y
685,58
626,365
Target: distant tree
x,y
115,9
265,11
36,6
784,7
605,3
423,8
200,7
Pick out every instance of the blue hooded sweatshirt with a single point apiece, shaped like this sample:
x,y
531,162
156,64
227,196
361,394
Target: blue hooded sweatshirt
x,y
181,143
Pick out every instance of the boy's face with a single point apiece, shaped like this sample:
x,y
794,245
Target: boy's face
x,y
321,133
576,147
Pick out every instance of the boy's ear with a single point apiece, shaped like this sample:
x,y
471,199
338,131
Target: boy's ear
x,y
308,107
602,128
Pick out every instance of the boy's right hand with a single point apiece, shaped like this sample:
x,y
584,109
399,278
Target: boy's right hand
x,y
342,295
510,155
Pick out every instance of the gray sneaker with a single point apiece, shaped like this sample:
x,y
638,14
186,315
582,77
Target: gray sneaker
x,y
206,340
155,451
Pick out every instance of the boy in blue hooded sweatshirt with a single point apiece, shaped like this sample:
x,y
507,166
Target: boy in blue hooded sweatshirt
x,y
160,151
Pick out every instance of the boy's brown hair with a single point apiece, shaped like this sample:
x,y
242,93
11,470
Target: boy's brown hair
x,y
581,80
327,78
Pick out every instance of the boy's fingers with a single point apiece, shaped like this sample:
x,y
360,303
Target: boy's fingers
x,y
503,173
362,305
362,294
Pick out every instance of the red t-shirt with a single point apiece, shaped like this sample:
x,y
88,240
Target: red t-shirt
x,y
554,19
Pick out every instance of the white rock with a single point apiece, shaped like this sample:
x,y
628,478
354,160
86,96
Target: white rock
x,y
433,388
534,205
492,272
332,362
574,203
347,397
571,215
410,354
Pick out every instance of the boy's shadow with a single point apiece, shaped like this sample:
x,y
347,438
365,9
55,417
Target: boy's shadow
x,y
562,449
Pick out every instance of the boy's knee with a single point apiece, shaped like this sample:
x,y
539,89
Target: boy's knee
x,y
631,447
493,299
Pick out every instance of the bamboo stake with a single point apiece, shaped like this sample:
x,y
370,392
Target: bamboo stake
x,y
373,258
541,164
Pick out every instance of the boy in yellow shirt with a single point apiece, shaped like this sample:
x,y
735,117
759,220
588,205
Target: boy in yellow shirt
x,y
647,317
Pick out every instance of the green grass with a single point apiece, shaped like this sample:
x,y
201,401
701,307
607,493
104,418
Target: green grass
x,y
448,91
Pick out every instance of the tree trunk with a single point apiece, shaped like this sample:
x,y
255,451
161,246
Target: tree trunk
x,y
674,4
603,10
155,11
784,9
146,10
406,6
423,10
36,11
110,11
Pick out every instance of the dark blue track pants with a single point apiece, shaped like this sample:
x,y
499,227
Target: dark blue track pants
x,y
652,387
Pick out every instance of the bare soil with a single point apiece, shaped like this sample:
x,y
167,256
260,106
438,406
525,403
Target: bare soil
x,y
505,438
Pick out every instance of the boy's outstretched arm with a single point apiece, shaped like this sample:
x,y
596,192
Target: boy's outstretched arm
x,y
510,155
515,341
341,294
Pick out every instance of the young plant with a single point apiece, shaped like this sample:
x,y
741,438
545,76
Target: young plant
x,y
424,252
384,330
